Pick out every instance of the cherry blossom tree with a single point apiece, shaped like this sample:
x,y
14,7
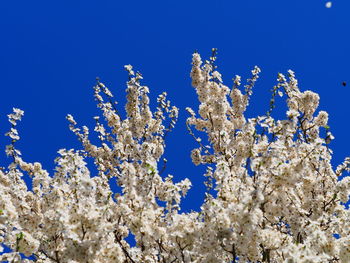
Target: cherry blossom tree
x,y
272,194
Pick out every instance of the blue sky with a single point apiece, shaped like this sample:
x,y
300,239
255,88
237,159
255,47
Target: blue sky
x,y
51,52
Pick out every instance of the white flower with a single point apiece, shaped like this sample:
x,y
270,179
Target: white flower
x,y
273,194
129,69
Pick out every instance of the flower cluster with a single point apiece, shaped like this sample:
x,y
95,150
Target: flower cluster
x,y
277,197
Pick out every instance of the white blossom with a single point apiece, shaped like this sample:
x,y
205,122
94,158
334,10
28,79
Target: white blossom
x,y
273,195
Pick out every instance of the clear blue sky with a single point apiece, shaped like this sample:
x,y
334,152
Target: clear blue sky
x,y
51,52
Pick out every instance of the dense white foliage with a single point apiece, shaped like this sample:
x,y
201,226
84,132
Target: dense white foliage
x,y
277,198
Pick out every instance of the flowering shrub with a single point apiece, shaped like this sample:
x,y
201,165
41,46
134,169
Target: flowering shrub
x,y
277,198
